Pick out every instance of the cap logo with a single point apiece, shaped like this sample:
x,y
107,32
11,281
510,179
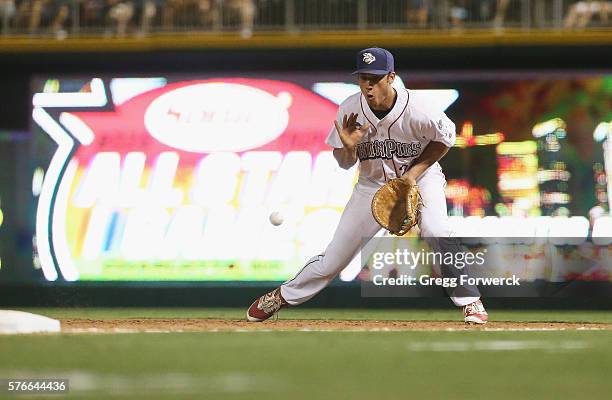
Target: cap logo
x,y
368,58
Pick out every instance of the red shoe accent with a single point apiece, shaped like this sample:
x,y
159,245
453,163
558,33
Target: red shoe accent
x,y
475,313
266,306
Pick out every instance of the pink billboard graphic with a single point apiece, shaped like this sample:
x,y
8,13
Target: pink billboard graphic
x,y
177,182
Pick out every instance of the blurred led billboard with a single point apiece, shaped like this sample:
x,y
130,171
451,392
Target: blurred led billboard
x,y
173,178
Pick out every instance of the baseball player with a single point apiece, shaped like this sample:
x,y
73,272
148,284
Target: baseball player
x,y
391,137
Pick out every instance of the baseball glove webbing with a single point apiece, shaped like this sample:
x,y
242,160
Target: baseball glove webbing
x,y
396,206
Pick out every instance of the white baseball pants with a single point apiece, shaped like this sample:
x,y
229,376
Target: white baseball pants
x,y
357,223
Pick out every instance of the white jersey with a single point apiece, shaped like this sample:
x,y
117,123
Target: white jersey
x,y
392,143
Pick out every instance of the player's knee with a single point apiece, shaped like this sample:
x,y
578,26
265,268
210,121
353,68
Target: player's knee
x,y
329,276
326,273
316,266
329,267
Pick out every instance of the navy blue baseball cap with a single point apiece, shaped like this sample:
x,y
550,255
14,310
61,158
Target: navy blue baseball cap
x,y
375,61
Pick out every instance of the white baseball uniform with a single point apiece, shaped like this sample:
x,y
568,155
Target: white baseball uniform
x,y
385,152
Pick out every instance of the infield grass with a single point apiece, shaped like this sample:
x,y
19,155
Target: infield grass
x,y
319,365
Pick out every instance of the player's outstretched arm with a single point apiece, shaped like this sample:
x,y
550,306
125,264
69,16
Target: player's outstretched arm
x,y
350,133
432,153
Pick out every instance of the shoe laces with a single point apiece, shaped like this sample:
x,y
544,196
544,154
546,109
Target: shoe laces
x,y
270,303
475,308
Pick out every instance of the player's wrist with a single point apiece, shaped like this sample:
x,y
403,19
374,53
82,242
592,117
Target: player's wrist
x,y
409,178
350,148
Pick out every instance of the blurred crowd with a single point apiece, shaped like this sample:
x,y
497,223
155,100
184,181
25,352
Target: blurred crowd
x,y
580,13
122,17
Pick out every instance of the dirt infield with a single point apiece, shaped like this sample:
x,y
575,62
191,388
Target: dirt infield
x,y
215,325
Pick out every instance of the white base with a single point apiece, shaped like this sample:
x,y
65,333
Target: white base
x,y
23,322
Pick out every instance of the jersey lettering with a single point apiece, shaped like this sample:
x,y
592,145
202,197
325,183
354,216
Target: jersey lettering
x,y
387,149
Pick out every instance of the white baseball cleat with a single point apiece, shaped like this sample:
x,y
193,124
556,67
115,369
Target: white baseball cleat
x,y
475,313
266,306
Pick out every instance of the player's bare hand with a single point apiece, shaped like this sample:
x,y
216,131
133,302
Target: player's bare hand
x,y
351,131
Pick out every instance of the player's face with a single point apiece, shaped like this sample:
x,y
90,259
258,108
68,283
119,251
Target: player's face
x,y
377,89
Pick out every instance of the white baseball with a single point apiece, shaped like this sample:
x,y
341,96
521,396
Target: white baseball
x,y
276,218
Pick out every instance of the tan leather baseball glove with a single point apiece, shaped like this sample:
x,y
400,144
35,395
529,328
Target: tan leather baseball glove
x,y
395,206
